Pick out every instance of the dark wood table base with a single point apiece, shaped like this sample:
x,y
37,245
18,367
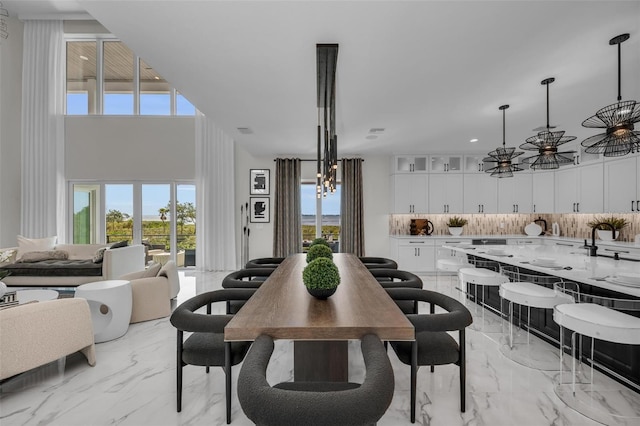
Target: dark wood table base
x,y
321,361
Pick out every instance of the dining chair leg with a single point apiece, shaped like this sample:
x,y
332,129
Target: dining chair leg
x,y
179,372
463,372
227,375
414,376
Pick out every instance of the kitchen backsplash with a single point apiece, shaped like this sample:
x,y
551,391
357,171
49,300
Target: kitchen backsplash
x,y
571,225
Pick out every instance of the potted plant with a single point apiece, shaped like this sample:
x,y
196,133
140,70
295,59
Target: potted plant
x,y
319,250
604,232
321,277
319,241
455,224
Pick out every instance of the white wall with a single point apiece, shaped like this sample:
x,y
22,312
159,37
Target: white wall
x,y
129,148
375,177
10,131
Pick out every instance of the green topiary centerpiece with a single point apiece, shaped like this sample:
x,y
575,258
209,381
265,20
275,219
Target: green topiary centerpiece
x,y
319,241
321,277
319,250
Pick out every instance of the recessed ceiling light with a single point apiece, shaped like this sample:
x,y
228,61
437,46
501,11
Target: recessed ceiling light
x,y
84,58
473,140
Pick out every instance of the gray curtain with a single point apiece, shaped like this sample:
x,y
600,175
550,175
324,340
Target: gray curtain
x,y
287,219
351,208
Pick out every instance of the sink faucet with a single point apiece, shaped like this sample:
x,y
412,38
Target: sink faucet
x,y
594,248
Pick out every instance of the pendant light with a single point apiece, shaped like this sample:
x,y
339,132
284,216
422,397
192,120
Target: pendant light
x,y
503,156
546,143
327,142
620,138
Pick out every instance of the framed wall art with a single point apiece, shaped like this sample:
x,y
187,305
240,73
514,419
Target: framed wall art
x,y
259,182
259,209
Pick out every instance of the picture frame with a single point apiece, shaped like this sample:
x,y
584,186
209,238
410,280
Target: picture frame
x,y
259,181
260,210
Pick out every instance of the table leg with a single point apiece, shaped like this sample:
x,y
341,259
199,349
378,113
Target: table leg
x,y
320,361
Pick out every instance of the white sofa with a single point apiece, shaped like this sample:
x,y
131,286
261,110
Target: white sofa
x,y
116,262
35,334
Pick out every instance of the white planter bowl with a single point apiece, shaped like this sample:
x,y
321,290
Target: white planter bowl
x,y
455,230
605,234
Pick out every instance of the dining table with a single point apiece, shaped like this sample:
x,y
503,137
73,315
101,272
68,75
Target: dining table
x,y
320,329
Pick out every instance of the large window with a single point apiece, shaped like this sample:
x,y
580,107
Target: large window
x,y
105,77
328,210
160,215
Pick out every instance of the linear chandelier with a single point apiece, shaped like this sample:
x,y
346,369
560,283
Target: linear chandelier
x,y
620,137
327,160
547,143
503,156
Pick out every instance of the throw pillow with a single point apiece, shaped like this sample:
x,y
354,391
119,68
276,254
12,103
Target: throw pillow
x,y
35,244
119,244
8,256
152,270
38,256
99,256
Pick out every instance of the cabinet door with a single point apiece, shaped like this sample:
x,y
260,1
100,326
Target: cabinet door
x,y
507,188
621,179
455,193
480,194
522,192
416,257
419,192
591,188
543,192
438,193
566,192
445,163
410,163
473,163
402,202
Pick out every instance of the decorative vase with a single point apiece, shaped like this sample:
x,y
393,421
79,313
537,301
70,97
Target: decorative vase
x,y
605,234
455,230
321,293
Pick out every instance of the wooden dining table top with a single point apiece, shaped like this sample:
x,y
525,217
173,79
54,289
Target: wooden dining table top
x,y
283,309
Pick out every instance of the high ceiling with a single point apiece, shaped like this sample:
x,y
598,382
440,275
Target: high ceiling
x,y
431,73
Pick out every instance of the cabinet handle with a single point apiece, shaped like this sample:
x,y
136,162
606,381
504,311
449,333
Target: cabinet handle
x,y
482,209
534,208
574,207
564,244
517,208
416,242
578,207
632,205
478,208
478,167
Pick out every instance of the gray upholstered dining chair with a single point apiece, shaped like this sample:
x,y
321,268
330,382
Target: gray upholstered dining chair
x,y
264,262
433,345
395,278
378,262
244,278
315,403
205,346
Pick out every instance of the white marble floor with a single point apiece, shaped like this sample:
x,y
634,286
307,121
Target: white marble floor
x,y
133,383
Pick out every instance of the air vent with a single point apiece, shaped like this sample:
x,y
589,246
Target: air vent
x,y
245,130
376,130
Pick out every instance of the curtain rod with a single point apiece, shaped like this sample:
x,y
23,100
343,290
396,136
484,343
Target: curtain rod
x,y
308,159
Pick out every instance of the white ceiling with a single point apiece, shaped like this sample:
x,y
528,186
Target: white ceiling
x,y
432,73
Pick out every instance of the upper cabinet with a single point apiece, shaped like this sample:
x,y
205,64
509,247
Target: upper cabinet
x,y
622,185
409,193
446,193
580,189
445,163
480,193
542,192
473,163
514,194
410,163
582,157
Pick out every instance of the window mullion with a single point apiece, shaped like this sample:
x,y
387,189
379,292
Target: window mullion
x,y
99,77
136,85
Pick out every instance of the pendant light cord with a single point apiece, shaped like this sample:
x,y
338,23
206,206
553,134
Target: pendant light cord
x,y
619,72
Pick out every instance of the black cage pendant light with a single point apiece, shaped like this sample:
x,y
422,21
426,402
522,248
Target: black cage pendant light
x,y
502,156
547,143
620,138
327,161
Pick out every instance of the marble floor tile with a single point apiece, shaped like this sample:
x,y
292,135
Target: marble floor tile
x,y
134,382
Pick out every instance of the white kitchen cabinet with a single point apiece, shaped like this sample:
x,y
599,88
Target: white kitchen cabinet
x,y
416,255
446,193
543,192
580,189
445,163
410,163
514,193
473,163
622,185
409,193
480,193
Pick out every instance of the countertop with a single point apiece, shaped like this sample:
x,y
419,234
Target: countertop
x,y
538,239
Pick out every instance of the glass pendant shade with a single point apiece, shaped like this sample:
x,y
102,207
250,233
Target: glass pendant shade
x,y
503,156
546,143
620,137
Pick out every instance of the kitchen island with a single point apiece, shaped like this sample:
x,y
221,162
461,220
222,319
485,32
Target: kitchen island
x,y
593,275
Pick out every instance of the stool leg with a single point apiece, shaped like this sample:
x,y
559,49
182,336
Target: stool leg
x,y
528,322
573,362
593,343
561,354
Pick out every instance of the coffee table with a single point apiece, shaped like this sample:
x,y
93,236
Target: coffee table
x,y
110,303
39,295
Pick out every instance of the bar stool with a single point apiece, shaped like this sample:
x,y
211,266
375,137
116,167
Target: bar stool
x,y
598,322
447,264
532,291
482,276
